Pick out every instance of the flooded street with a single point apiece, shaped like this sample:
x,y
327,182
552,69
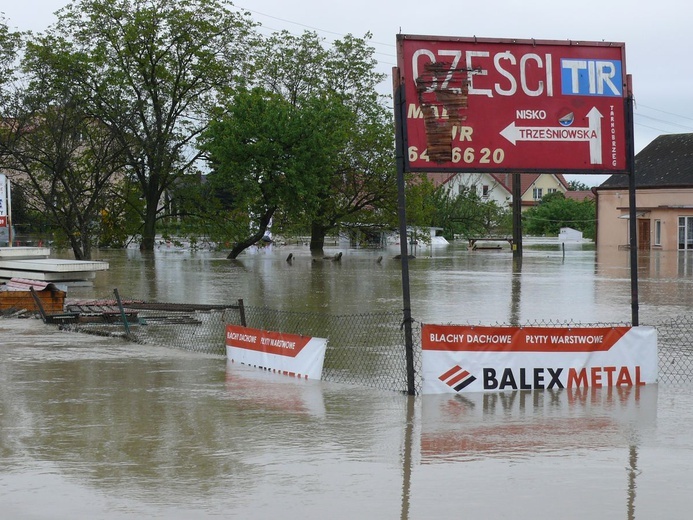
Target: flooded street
x,y
96,427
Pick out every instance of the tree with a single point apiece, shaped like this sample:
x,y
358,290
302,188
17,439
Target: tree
x,y
10,43
150,70
267,156
62,161
356,183
59,157
577,186
463,213
555,212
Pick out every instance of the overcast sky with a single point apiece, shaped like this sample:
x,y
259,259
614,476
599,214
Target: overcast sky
x,y
659,47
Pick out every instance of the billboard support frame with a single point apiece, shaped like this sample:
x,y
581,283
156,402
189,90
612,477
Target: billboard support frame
x,y
632,209
400,143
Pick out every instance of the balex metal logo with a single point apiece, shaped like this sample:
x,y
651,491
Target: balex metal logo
x,y
457,378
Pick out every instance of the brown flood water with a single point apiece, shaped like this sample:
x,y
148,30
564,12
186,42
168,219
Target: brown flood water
x,y
95,427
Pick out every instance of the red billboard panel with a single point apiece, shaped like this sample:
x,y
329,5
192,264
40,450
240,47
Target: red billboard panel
x,y
473,104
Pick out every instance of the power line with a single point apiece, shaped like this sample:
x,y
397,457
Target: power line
x,y
665,112
393,59
317,29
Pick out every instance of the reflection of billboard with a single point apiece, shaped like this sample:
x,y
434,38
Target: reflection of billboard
x,y
507,105
462,427
459,358
289,354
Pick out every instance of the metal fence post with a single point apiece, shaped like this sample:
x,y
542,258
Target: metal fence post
x,y
122,313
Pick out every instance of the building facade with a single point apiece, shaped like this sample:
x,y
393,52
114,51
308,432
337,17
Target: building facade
x,y
663,199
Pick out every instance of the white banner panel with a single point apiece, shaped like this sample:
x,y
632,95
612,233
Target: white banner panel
x,y
289,354
3,200
460,358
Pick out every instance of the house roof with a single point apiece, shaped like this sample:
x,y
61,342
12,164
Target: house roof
x,y
579,195
504,179
526,180
664,163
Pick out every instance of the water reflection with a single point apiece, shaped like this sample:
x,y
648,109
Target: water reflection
x,y
448,284
127,431
471,426
515,296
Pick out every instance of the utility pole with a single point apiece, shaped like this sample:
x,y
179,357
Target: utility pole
x,y
517,216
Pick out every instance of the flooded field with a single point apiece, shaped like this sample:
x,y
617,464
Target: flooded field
x,y
94,427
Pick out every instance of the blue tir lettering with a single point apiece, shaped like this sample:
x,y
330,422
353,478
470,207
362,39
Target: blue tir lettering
x,y
591,78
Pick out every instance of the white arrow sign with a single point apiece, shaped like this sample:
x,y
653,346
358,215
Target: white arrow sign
x,y
591,133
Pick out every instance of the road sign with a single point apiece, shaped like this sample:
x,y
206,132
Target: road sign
x,y
473,104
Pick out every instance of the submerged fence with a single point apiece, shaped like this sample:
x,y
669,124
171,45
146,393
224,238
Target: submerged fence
x,y
362,349
365,349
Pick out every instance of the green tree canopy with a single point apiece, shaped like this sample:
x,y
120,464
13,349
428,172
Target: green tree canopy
x,y
357,181
556,211
10,43
268,157
577,186
149,70
463,213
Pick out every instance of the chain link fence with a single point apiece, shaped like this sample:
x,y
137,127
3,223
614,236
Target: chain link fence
x,y
362,349
365,349
675,345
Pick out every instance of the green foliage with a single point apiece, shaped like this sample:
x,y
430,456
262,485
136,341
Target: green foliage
x,y
462,214
294,129
119,218
65,160
556,211
150,70
268,154
10,43
577,186
310,147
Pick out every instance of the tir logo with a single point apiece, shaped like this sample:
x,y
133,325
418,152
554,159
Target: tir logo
x,y
457,378
591,78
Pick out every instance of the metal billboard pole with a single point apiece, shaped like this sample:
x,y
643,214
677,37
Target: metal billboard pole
x,y
632,220
401,211
517,217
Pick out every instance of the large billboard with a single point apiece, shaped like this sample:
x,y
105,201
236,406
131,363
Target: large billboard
x,y
502,105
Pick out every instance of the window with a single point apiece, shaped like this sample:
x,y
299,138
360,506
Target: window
x,y
551,190
685,233
657,232
537,193
484,191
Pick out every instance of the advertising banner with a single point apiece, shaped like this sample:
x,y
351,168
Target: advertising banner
x,y
289,354
3,200
459,358
509,105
